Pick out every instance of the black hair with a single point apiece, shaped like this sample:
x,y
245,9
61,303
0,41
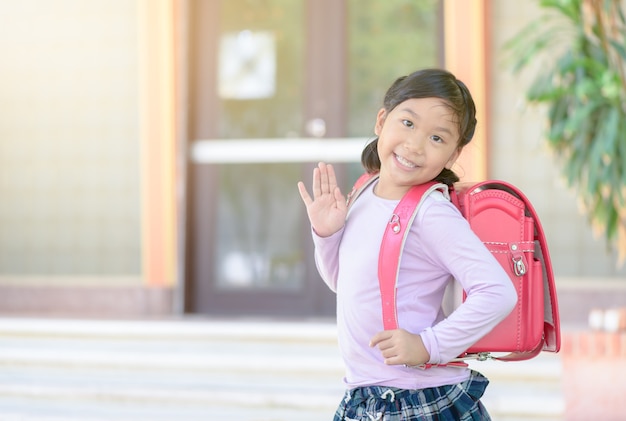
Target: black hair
x,y
429,83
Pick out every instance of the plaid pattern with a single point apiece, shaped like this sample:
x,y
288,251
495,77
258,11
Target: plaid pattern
x,y
458,402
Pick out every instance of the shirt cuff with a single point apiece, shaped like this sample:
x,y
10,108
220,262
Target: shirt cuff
x,y
333,237
432,347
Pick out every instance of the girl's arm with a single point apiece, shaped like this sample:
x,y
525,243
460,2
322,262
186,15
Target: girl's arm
x,y
327,257
451,243
327,212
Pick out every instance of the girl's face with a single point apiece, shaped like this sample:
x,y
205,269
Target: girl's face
x,y
416,140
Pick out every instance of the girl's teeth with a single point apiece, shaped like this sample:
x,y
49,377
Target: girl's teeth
x,y
405,162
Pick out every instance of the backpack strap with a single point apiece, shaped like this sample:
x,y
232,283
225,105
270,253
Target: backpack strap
x,y
393,240
392,244
390,254
359,185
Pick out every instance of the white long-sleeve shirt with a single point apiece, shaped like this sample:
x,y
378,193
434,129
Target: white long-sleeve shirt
x,y
440,246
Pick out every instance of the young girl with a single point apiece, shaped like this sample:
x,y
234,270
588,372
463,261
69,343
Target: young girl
x,y
427,119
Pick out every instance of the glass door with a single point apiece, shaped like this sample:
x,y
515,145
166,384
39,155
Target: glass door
x,y
276,86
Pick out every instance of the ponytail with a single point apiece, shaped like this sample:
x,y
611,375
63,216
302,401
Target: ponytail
x,y
369,157
447,177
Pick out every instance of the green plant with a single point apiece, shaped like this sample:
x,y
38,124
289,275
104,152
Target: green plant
x,y
582,82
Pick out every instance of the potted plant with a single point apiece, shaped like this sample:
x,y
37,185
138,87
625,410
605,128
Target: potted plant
x,y
582,83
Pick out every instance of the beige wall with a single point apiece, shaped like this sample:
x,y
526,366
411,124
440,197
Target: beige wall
x,y
69,142
519,155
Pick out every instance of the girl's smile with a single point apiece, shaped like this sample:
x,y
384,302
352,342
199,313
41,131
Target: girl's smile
x,y
405,162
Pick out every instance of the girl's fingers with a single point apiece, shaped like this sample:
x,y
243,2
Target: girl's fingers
x,y
323,171
304,194
317,188
324,179
339,199
332,179
324,182
380,337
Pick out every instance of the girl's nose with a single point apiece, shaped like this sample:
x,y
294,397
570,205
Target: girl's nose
x,y
415,144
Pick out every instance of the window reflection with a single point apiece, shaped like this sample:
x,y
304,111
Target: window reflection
x,y
259,227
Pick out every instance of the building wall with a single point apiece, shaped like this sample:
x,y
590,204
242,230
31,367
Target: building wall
x,y
73,138
69,148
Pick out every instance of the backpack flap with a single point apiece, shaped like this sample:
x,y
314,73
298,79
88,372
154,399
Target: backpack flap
x,y
504,219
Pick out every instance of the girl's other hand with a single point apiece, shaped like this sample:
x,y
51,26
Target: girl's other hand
x,y
400,347
327,209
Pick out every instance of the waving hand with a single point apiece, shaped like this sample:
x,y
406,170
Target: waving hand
x,y
327,209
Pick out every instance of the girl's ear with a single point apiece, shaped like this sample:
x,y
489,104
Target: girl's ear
x,y
380,120
453,158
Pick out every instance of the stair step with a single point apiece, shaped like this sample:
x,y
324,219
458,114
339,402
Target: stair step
x,y
236,370
193,329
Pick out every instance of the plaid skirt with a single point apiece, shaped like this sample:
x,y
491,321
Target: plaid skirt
x,y
458,402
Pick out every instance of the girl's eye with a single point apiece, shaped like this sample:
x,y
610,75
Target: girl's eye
x,y
436,138
407,123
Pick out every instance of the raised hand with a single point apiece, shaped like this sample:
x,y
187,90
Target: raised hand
x,y
327,209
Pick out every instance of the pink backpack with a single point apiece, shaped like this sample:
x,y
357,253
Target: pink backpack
x,y
503,218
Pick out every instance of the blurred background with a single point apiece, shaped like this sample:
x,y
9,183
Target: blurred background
x,y
150,149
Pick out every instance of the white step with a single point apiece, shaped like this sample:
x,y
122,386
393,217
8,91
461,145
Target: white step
x,y
524,390
199,369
